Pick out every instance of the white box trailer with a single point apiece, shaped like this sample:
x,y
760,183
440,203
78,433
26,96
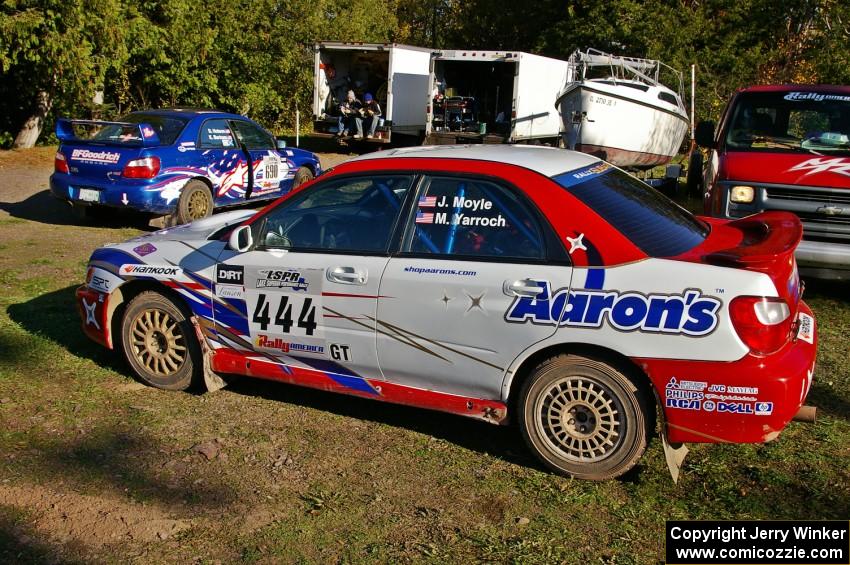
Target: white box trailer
x,y
396,75
493,97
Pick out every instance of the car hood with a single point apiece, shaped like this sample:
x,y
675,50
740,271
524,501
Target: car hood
x,y
199,229
787,168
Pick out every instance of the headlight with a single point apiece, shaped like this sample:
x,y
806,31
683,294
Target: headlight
x,y
742,194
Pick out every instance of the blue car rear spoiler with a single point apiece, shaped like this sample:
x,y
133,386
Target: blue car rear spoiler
x,y
147,135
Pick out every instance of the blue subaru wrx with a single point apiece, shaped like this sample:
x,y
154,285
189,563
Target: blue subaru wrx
x,y
183,163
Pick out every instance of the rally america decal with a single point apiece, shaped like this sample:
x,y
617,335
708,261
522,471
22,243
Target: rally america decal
x,y
690,313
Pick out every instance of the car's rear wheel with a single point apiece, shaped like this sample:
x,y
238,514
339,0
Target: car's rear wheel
x,y
159,342
302,175
583,417
195,202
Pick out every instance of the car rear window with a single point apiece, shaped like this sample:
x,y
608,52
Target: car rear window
x,y
166,127
653,222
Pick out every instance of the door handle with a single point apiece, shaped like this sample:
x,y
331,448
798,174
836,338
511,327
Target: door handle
x,y
523,287
347,275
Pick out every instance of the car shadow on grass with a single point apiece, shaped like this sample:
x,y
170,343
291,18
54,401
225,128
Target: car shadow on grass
x,y
503,442
54,316
42,207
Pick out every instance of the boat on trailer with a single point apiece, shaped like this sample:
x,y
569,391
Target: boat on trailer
x,y
617,108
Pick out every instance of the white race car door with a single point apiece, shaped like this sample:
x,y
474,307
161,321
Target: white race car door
x,y
305,297
477,261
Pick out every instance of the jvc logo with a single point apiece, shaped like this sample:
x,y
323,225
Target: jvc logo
x,y
690,313
230,274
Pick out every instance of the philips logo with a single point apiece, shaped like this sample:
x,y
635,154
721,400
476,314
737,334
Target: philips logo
x,y
690,313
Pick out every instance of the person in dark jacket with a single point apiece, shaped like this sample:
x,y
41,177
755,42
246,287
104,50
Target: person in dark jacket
x,y
371,115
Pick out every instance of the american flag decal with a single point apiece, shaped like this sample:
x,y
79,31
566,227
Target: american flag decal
x,y
424,218
427,201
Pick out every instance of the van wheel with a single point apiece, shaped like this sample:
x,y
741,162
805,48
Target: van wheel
x,y
583,418
159,342
195,202
302,175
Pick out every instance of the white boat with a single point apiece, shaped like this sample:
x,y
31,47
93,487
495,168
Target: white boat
x,y
616,108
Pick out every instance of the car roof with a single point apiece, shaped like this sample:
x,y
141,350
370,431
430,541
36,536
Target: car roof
x,y
796,87
547,161
188,113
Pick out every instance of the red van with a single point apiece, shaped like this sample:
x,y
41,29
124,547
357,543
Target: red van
x,y
786,147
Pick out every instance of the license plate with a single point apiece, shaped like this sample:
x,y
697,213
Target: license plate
x,y
89,195
806,330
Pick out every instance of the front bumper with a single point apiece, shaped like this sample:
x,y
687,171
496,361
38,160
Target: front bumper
x,y
824,260
746,401
132,195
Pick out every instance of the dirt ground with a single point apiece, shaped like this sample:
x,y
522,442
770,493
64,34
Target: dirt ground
x,y
95,467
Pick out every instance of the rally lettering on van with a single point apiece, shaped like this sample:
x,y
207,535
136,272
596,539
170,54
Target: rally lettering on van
x,y
835,165
690,313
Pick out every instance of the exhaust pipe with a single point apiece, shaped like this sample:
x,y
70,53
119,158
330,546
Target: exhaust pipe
x,y
805,414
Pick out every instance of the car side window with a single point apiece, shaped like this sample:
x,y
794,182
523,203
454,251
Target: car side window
x,y
216,134
252,136
473,217
355,214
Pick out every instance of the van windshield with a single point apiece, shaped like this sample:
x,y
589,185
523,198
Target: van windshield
x,y
793,122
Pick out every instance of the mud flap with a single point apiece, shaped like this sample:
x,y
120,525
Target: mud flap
x,y
674,454
212,380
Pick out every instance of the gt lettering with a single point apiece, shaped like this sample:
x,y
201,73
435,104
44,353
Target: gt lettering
x,y
340,352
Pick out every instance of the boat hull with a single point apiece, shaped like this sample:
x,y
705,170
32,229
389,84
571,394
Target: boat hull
x,y
625,125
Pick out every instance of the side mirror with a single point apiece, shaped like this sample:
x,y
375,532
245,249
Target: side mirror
x,y
281,144
704,134
241,239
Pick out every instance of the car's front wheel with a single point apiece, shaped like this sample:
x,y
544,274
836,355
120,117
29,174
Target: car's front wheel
x,y
583,418
302,175
195,202
159,342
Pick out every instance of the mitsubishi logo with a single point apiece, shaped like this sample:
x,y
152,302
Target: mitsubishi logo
x,y
830,210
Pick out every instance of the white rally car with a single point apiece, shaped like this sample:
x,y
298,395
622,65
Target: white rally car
x,y
495,282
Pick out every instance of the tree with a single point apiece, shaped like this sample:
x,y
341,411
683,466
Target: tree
x,y
58,53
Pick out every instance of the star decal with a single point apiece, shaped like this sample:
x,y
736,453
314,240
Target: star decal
x,y
446,299
576,243
475,302
90,313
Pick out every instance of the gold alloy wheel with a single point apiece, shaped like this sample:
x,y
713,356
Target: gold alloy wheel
x,y
158,343
580,419
198,205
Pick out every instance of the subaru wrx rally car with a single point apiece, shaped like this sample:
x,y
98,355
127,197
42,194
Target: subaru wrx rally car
x,y
181,162
497,282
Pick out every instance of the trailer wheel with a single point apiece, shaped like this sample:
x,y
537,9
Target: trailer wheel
x,y
694,178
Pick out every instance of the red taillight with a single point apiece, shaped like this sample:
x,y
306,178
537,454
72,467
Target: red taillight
x,y
146,168
763,324
60,164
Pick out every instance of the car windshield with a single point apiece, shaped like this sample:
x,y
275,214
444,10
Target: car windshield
x,y
650,220
795,122
167,129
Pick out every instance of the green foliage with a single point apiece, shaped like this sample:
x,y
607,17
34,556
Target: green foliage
x,y
256,57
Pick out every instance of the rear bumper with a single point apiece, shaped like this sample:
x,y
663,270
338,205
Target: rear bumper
x,y
141,197
746,401
824,260
93,307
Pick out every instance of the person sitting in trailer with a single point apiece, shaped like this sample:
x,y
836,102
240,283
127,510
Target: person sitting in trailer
x,y
349,109
372,115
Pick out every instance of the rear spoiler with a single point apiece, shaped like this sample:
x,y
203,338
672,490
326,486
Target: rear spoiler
x,y
766,237
65,131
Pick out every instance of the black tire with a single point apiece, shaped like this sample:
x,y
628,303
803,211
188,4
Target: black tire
x,y
195,202
302,175
694,178
583,418
159,342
